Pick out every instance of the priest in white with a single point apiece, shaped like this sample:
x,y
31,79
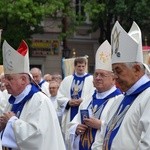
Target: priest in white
x,y
85,127
53,88
128,123
30,121
43,84
72,91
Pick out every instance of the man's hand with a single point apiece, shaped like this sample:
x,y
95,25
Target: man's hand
x,y
81,128
4,119
75,102
93,122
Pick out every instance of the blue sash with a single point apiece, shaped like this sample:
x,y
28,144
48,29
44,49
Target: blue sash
x,y
87,139
17,108
79,81
112,128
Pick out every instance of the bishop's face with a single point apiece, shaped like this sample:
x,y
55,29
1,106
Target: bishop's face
x,y
14,83
125,76
103,80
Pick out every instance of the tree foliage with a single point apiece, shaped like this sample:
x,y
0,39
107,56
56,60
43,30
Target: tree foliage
x,y
20,19
104,13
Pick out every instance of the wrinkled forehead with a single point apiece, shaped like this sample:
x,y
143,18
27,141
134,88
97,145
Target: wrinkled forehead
x,y
118,66
102,71
15,75
10,75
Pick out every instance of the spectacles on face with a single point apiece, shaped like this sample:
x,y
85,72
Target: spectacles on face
x,y
101,75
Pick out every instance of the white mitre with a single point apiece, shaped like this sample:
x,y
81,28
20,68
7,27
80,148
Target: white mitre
x,y
15,61
103,57
126,47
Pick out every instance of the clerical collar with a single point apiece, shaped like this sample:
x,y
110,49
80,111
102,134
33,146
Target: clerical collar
x,y
23,94
140,82
80,75
106,93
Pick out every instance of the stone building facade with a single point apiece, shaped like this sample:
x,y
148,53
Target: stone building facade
x,y
46,49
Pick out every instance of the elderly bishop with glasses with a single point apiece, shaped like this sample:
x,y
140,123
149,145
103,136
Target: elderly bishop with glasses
x,y
85,127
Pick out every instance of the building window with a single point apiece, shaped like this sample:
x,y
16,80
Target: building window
x,y
79,7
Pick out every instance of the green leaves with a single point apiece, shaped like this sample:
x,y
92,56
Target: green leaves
x,y
94,8
103,14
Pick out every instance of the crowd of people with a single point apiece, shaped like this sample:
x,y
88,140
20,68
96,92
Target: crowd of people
x,y
106,110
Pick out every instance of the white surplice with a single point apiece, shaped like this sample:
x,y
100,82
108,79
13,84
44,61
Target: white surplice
x,y
71,138
45,87
3,102
134,132
63,96
37,127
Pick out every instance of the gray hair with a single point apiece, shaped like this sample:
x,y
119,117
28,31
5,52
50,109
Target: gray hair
x,y
131,64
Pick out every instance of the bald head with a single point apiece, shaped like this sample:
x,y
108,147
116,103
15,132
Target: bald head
x,y
37,74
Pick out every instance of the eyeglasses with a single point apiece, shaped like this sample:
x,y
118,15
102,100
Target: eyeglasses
x,y
101,75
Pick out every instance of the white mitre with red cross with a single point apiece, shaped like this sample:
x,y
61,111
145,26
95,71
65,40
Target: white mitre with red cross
x,y
15,61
